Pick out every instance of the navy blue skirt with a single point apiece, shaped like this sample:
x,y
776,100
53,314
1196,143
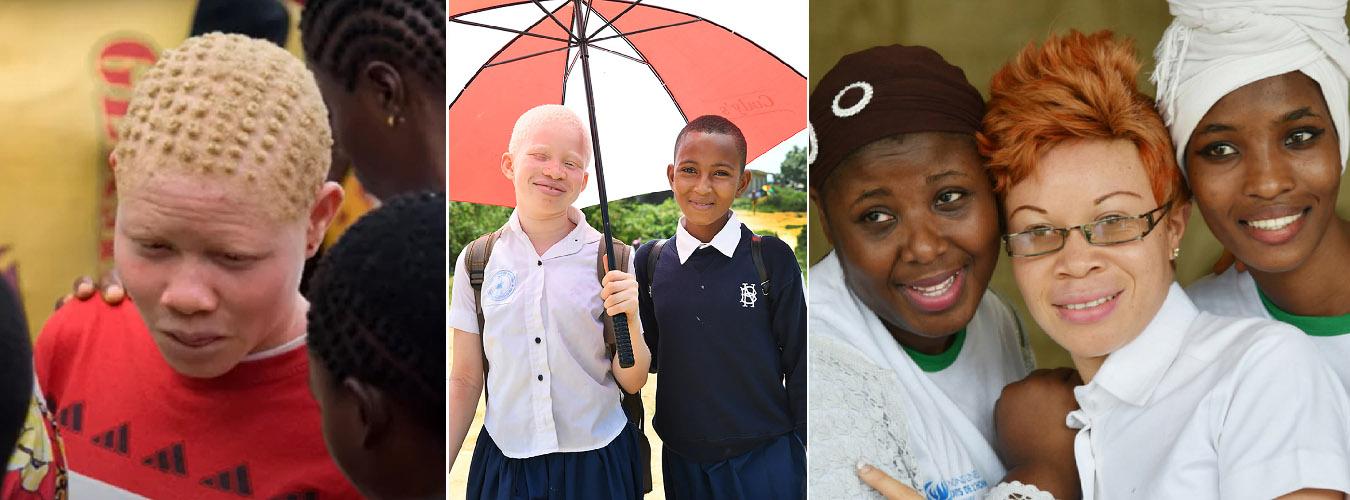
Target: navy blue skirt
x,y
611,472
776,470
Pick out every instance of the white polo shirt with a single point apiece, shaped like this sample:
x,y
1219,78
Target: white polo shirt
x,y
1234,293
1203,406
549,383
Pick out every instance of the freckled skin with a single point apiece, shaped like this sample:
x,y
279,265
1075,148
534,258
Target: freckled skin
x,y
1075,183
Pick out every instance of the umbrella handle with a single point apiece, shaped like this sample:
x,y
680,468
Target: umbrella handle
x,y
623,343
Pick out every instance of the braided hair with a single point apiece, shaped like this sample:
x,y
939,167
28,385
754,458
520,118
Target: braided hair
x,y
340,35
377,304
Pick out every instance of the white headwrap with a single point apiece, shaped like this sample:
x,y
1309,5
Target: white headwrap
x,y
1215,47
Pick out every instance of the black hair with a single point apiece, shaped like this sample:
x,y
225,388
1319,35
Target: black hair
x,y
16,369
714,124
264,19
377,304
340,35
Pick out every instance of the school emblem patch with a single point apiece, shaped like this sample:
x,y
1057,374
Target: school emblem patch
x,y
748,295
501,285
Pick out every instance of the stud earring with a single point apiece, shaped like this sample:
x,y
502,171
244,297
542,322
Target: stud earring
x,y
1176,252
390,121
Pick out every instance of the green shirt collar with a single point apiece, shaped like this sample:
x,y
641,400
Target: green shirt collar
x,y
937,362
1318,326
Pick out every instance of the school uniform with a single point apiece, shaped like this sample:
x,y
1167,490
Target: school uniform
x,y
731,401
1204,406
553,421
932,428
1234,293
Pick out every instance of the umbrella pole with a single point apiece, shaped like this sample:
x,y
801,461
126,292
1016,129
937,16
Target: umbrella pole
x,y
622,341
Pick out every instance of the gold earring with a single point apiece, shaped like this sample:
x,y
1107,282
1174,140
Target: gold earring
x,y
390,121
1176,252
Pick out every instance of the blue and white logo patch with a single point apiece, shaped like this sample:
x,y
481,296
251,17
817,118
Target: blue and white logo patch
x,y
748,295
501,285
965,486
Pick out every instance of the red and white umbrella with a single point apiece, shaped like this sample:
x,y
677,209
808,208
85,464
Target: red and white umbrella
x,y
654,65
645,70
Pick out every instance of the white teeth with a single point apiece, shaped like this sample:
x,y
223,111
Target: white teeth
x,y
1088,305
938,289
1276,223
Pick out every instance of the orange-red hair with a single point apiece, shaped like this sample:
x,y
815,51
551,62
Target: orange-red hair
x,y
1071,88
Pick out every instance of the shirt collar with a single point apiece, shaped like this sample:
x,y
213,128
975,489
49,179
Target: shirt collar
x,y
575,240
724,241
1132,372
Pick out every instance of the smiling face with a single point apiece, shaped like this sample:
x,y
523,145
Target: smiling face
x,y
914,223
706,177
213,278
1092,299
547,167
1265,169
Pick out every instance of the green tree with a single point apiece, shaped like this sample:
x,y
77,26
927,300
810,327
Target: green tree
x,y
631,219
793,170
468,221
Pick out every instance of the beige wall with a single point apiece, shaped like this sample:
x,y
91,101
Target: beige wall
x,y
979,36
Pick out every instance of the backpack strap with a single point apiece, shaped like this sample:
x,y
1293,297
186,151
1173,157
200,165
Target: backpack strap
x,y
652,258
757,255
476,256
631,403
622,255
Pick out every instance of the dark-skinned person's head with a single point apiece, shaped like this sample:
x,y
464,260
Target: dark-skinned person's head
x,y
381,68
708,173
377,348
16,371
903,194
1258,113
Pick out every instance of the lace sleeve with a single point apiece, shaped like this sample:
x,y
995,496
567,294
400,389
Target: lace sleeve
x,y
1017,491
856,415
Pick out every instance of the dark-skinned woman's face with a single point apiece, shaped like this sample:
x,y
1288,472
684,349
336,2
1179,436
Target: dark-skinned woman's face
x,y
914,224
1265,167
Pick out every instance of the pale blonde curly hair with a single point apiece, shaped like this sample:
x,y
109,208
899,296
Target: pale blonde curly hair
x,y
231,108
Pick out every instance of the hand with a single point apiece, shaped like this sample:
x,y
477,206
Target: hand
x,y
885,485
84,289
1036,442
619,291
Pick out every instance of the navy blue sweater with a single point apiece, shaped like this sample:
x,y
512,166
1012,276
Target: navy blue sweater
x,y
732,368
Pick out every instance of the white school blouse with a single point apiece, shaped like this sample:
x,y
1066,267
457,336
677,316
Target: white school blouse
x,y
549,383
1201,406
1234,293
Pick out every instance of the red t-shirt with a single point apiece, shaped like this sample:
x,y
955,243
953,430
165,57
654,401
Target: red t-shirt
x,y
130,421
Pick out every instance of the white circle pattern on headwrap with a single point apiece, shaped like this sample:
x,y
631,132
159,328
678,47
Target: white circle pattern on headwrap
x,y
813,145
857,107
1215,47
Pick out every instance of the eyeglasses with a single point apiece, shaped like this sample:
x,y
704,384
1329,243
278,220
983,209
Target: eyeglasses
x,y
1111,231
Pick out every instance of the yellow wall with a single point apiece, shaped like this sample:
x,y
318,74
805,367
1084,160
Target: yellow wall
x,y
979,36
53,151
